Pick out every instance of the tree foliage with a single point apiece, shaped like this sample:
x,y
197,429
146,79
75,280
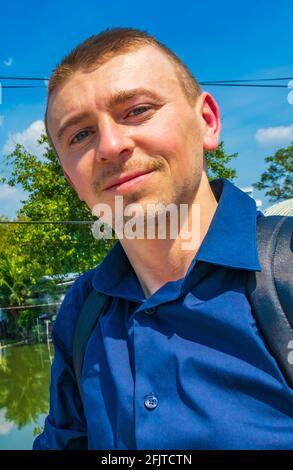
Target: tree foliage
x,y
277,180
31,251
217,161
59,249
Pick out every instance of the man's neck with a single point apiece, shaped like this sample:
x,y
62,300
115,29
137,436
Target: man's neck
x,y
158,261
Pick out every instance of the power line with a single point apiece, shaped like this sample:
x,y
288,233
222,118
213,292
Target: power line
x,y
23,78
22,86
29,306
233,82
64,243
61,243
247,85
204,82
56,222
249,80
254,85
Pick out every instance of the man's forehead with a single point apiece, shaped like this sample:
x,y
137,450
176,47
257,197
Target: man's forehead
x,y
146,67
143,60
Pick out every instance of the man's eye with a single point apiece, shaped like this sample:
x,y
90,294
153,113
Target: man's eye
x,y
80,136
138,110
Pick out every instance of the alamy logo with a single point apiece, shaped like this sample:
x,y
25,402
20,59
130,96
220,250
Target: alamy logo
x,y
153,221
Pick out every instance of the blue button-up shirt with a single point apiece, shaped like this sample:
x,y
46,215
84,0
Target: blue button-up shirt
x,y
185,368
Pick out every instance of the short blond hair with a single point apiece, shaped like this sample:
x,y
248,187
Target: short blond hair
x,y
98,49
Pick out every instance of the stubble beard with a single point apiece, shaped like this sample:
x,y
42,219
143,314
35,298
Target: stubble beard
x,y
153,209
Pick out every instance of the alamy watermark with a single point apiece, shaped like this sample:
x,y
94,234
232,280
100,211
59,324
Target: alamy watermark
x,y
152,221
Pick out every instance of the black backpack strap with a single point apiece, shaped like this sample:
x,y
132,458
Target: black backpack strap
x,y
271,291
283,267
93,307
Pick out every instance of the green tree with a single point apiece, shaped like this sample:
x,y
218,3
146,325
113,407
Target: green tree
x,y
277,180
59,249
217,161
14,287
31,251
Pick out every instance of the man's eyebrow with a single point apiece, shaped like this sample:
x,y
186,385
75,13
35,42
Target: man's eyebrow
x,y
115,99
72,121
122,96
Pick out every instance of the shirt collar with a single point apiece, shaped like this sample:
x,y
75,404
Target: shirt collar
x,y
116,276
231,238
230,242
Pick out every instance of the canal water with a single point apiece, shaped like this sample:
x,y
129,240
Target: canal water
x,y
24,393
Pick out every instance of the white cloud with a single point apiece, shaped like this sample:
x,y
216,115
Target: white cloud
x,y
7,192
28,138
8,62
281,134
5,426
1,120
11,200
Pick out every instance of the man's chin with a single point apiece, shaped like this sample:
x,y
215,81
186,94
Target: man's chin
x,y
142,216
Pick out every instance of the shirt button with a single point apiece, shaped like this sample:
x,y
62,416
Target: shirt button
x,y
150,401
150,311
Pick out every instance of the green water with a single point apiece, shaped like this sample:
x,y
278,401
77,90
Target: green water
x,y
24,393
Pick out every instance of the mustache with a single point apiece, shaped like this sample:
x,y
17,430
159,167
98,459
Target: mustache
x,y
114,172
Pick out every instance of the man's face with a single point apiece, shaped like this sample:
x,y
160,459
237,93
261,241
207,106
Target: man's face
x,y
129,117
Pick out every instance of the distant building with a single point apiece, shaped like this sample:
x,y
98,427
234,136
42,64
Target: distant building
x,y
249,190
281,208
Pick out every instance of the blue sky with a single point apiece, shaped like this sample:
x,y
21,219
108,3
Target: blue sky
x,y
218,40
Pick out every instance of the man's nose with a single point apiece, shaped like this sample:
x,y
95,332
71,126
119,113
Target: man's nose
x,y
114,140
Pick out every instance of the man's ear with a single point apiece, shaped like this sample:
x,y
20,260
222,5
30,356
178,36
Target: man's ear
x,y
211,121
71,183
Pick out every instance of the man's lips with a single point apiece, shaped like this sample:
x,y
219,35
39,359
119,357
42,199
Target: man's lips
x,y
127,177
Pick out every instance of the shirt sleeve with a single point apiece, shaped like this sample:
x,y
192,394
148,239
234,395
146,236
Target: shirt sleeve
x,y
65,426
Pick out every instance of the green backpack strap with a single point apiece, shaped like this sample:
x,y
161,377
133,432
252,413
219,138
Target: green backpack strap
x,y
93,307
271,290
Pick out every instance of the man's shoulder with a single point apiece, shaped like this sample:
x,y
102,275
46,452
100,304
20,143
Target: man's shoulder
x,y
64,325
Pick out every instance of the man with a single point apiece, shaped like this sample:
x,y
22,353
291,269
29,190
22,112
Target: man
x,y
176,361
